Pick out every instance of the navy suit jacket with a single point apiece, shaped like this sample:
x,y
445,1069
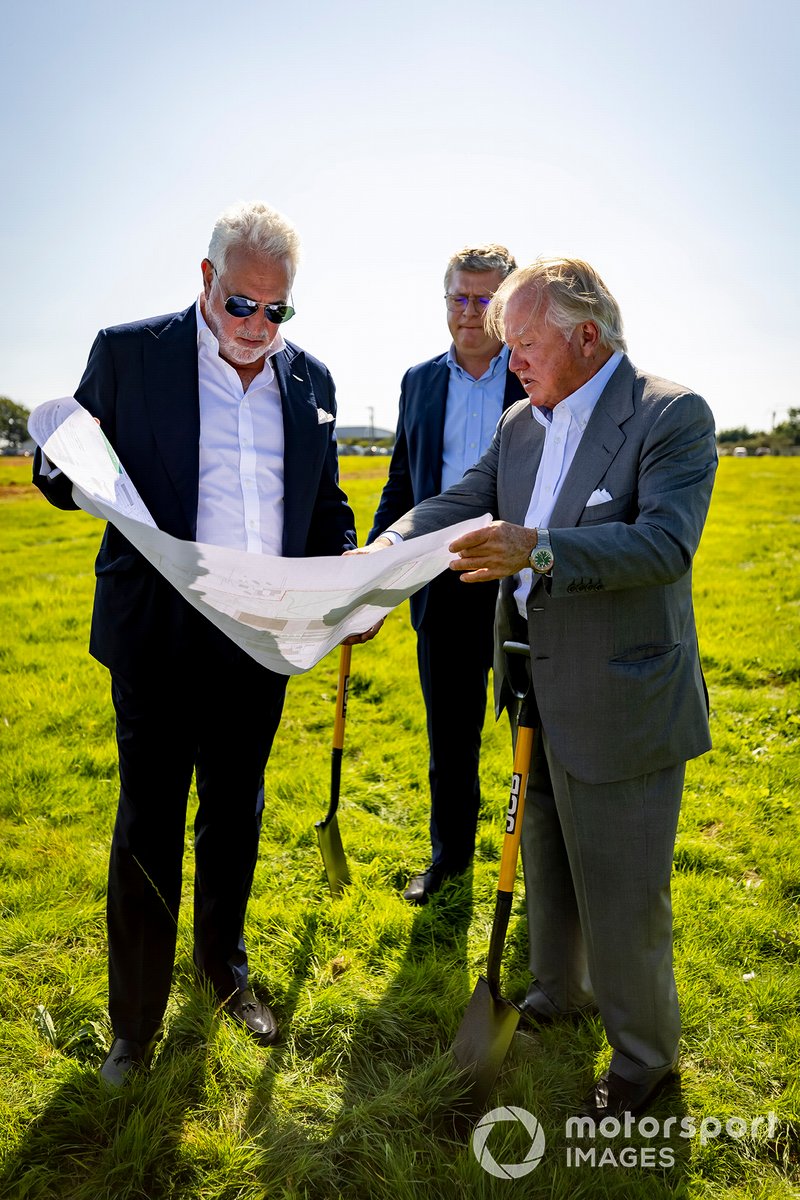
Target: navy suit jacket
x,y
141,382
415,472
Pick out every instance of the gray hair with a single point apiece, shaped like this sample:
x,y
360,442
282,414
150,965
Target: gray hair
x,y
255,227
573,292
491,257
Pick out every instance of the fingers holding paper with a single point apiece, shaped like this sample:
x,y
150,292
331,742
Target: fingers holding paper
x,y
380,543
356,639
493,552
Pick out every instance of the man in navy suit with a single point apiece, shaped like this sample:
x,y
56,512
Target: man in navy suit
x,y
227,432
449,408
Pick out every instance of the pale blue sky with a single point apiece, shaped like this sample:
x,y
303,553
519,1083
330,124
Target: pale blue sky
x,y
658,142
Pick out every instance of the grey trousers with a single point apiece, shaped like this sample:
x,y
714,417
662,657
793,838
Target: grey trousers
x,y
597,860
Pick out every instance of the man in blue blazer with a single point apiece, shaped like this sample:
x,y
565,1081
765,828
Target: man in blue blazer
x,y
449,407
227,432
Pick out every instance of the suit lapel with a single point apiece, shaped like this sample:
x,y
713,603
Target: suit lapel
x,y
300,431
434,398
600,443
173,405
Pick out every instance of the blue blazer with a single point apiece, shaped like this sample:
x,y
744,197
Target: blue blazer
x,y
415,472
141,382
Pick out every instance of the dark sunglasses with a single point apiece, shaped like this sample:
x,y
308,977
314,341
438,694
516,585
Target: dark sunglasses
x,y
242,306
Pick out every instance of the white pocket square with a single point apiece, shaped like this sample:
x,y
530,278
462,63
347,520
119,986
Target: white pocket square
x,y
601,496
323,418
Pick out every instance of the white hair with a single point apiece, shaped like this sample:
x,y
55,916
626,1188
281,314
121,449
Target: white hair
x,y
573,292
255,227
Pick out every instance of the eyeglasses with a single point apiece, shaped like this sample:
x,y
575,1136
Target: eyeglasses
x,y
242,306
458,303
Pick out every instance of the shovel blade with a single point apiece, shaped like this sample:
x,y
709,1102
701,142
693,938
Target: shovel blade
x,y
333,855
482,1041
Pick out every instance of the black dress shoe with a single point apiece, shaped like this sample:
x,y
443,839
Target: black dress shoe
x,y
613,1096
534,1019
126,1059
427,884
531,1017
422,887
254,1016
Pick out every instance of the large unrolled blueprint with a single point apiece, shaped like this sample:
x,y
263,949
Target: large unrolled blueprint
x,y
287,613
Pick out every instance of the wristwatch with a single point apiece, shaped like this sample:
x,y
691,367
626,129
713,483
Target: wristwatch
x,y
542,557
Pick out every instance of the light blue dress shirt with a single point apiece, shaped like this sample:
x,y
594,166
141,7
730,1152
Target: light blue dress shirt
x,y
473,409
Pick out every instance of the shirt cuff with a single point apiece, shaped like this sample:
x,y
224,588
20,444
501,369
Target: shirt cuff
x,y
47,470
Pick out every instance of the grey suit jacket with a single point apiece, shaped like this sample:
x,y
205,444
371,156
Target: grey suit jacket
x,y
616,668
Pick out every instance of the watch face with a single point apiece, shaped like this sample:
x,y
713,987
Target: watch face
x,y
542,559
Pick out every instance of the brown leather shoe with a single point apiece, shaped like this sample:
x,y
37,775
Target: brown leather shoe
x,y
256,1018
613,1096
127,1059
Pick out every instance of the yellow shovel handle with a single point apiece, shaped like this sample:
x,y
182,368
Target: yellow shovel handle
x,y
516,807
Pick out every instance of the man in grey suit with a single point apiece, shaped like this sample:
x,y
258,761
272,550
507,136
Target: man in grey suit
x,y
599,484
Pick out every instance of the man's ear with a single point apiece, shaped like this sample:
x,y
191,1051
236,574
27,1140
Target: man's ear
x,y
208,274
588,338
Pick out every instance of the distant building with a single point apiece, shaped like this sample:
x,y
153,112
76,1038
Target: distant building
x,y
360,433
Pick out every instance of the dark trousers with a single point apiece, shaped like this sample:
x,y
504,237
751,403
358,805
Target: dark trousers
x,y
454,653
214,713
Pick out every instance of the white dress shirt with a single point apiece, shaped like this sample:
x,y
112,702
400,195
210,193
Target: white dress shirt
x,y
563,426
240,494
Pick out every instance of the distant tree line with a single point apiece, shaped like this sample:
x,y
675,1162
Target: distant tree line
x,y
782,439
14,432
13,424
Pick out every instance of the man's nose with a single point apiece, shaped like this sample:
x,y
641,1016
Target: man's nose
x,y
259,320
515,361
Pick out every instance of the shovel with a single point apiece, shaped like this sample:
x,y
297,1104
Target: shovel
x,y
330,840
489,1023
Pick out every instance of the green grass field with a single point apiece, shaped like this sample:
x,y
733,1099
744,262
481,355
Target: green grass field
x,y
358,1098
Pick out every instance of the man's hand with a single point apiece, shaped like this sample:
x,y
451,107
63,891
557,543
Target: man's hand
x,y
369,634
497,550
380,543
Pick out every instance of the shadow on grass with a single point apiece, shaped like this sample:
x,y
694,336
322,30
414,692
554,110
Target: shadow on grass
x,y
91,1142
398,1076
400,1130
